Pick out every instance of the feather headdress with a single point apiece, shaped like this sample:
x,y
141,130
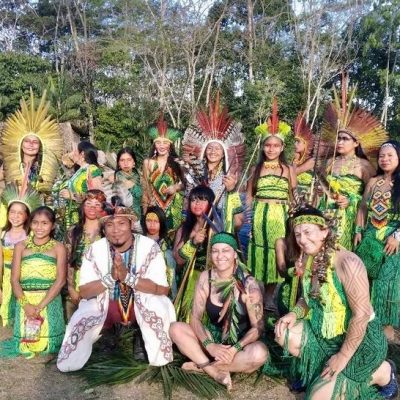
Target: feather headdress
x,y
161,130
342,116
215,126
302,132
274,127
28,121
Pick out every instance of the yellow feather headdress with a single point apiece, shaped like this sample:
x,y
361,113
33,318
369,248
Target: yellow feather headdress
x,y
341,116
27,121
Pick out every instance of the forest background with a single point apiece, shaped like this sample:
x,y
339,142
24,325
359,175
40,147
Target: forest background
x,y
110,66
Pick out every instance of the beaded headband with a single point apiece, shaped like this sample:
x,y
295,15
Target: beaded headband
x,y
388,145
120,212
224,237
309,219
152,217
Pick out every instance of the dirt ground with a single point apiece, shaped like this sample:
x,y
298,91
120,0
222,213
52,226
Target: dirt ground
x,y
22,379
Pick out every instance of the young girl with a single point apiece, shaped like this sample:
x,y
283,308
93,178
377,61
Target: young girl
x,y
154,225
37,277
127,174
79,238
14,232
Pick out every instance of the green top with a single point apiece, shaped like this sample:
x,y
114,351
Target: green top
x,y
136,190
78,182
272,187
330,312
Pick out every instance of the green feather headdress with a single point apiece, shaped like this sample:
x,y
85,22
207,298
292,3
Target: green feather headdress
x,y
161,130
274,127
12,194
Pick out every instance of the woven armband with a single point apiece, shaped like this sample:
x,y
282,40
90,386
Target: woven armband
x,y
108,281
299,311
359,229
131,280
188,250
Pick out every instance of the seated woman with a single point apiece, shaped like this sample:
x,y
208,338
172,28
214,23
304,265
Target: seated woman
x,y
232,302
338,344
154,225
37,277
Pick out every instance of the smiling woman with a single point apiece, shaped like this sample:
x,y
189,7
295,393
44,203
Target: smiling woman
x,y
229,341
338,344
378,236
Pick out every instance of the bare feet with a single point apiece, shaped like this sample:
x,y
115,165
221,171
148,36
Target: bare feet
x,y
222,377
191,366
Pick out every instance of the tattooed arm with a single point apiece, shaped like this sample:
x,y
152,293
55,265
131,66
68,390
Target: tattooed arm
x,y
254,305
353,275
199,307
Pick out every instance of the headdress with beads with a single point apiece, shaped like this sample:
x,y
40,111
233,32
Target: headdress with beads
x,y
118,211
215,126
342,116
32,120
274,127
161,130
302,132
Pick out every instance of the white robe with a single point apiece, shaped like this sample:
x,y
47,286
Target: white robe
x,y
154,313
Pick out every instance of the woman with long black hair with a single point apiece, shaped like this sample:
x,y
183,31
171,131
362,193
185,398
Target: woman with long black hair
x,y
378,236
191,242
162,175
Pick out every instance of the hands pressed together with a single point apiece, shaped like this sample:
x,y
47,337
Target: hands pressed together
x,y
118,270
221,352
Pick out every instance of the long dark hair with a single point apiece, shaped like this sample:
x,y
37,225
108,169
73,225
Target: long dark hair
x,y
170,161
49,213
90,152
125,150
161,217
261,159
77,230
8,224
199,192
395,176
293,250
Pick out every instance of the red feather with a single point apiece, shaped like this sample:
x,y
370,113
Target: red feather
x,y
273,121
162,125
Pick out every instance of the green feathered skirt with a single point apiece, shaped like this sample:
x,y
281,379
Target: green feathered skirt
x,y
353,382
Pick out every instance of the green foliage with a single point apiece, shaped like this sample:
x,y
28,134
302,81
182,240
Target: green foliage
x,y
18,73
121,125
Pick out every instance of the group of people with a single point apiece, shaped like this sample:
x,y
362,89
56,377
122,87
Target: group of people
x,y
170,252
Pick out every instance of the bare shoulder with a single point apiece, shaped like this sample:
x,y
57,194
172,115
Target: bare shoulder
x,y
347,262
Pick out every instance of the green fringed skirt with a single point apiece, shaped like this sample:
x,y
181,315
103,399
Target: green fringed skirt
x,y
269,224
353,382
384,274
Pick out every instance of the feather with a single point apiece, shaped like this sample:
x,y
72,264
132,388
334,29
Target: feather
x,y
273,122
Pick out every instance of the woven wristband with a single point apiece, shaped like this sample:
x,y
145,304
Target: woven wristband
x,y
206,342
359,229
238,346
299,311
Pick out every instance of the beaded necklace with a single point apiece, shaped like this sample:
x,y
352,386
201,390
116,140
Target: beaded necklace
x,y
39,248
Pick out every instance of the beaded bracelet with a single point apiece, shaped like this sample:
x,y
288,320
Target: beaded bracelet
x,y
108,281
238,346
23,301
359,229
206,342
299,311
131,280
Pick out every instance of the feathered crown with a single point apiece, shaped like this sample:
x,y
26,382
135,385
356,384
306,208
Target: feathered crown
x,y
274,127
21,194
341,116
302,132
215,126
161,130
32,121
